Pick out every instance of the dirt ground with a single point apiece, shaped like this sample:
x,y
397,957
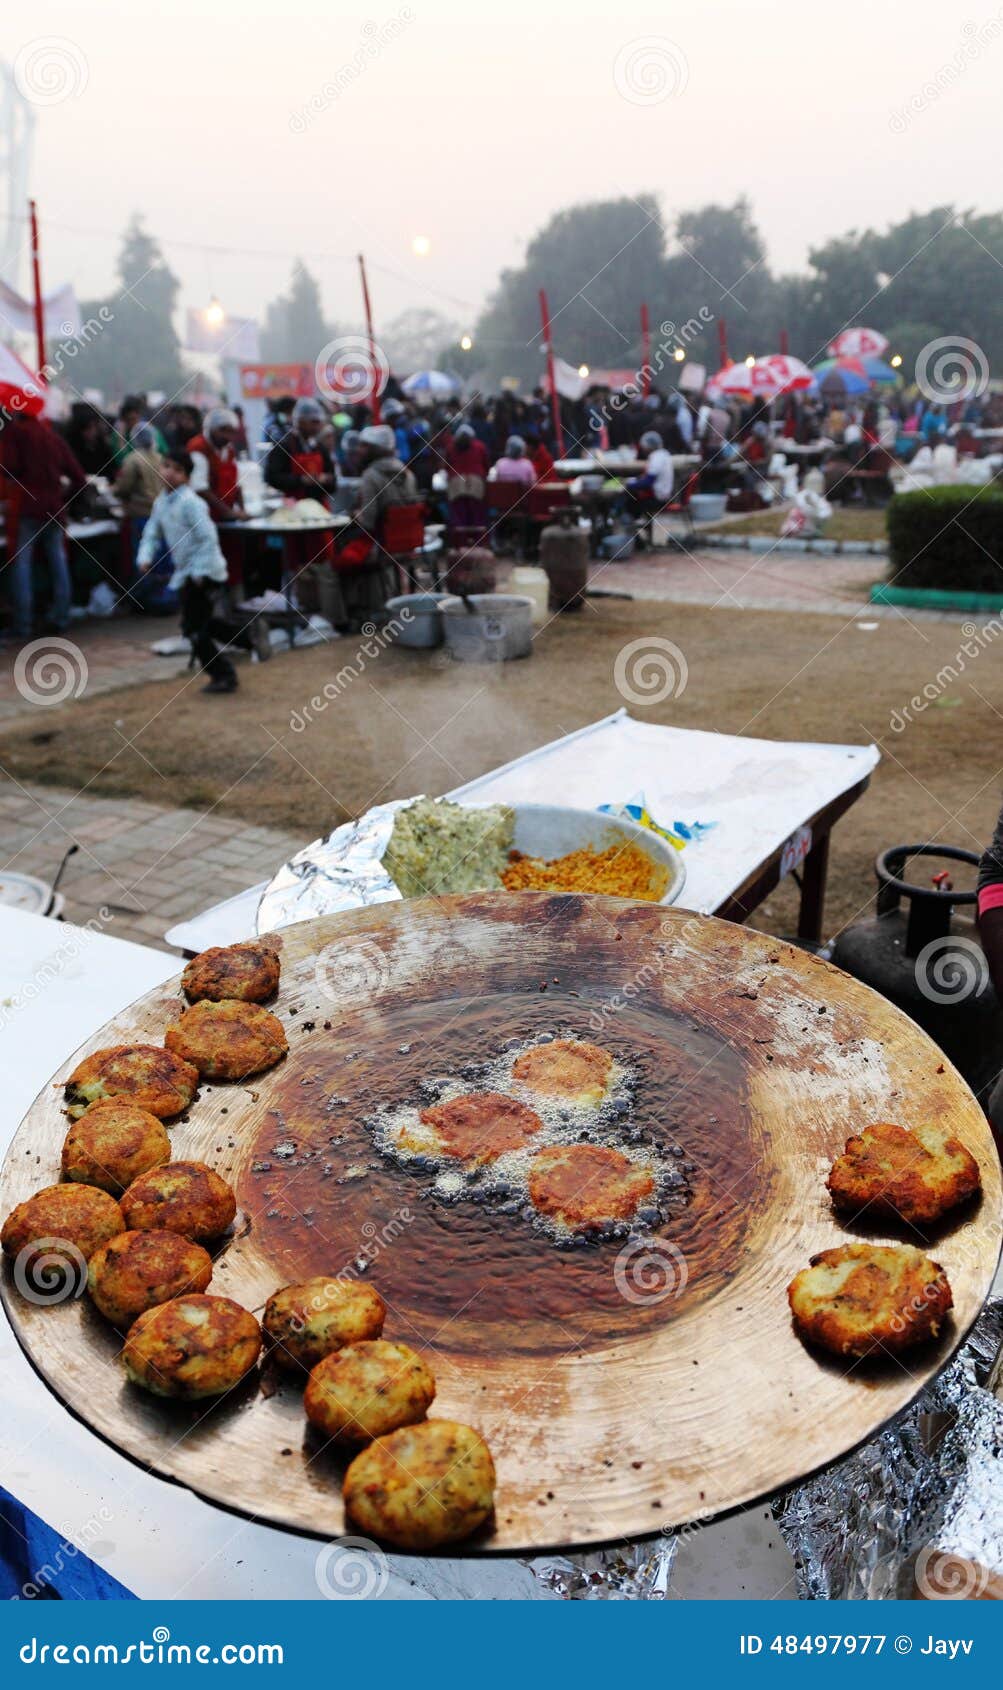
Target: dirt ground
x,y
404,722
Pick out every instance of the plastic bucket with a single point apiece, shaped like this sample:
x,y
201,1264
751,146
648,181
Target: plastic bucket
x,y
708,507
499,627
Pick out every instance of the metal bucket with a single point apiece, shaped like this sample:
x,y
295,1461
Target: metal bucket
x,y
418,618
499,627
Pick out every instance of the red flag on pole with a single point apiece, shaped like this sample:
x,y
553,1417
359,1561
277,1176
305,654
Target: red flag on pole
x,y
645,352
374,399
555,403
36,282
722,341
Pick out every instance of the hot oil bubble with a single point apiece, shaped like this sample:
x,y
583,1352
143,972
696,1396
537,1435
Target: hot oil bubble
x,y
503,1184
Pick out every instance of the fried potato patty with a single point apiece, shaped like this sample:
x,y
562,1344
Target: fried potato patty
x,y
191,1347
586,1184
79,1216
310,1321
479,1127
861,1299
915,1176
423,1486
566,1068
113,1142
367,1389
148,1075
185,1197
137,1270
228,1040
249,971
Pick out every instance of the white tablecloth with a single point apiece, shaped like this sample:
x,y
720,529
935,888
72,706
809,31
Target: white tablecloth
x,y
758,792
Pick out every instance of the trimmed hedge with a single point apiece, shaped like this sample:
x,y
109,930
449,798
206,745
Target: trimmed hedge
x,y
947,538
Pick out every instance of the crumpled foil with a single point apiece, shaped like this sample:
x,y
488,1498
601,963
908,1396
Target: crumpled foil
x,y
342,872
635,1572
919,1509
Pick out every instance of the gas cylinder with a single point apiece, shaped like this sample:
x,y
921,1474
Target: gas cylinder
x,y
564,554
928,961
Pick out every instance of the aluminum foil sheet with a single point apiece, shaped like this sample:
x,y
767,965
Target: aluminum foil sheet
x,y
919,1509
636,1572
342,872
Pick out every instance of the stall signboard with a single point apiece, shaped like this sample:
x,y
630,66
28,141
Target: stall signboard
x,y
269,381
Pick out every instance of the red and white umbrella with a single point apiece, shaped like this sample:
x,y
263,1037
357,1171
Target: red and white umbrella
x,y
20,391
741,380
859,343
791,374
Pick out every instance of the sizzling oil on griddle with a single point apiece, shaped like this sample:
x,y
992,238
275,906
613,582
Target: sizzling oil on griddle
x,y
326,1200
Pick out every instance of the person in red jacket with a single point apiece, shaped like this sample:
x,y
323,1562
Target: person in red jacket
x,y
467,466
541,458
215,476
40,476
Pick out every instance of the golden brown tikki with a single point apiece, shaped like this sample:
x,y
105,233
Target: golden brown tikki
x,y
310,1321
228,1040
570,1069
78,1217
113,1142
915,1176
580,1185
423,1486
185,1197
148,1075
248,971
368,1389
476,1128
137,1270
866,1299
191,1347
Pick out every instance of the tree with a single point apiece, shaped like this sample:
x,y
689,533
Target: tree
x,y
415,339
719,270
133,345
295,331
597,262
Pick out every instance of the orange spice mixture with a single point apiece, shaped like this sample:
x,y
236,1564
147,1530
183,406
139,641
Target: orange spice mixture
x,y
622,871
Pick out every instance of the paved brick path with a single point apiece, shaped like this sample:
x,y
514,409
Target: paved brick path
x,y
830,586
148,867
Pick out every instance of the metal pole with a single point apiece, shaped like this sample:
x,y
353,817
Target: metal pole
x,y
722,341
555,404
645,352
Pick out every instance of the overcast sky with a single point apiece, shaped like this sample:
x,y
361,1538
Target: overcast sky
x,y
248,125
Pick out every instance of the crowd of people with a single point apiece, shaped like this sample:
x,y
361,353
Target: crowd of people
x,y
177,475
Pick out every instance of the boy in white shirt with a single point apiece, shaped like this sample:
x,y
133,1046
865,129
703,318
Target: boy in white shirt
x,y
180,521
